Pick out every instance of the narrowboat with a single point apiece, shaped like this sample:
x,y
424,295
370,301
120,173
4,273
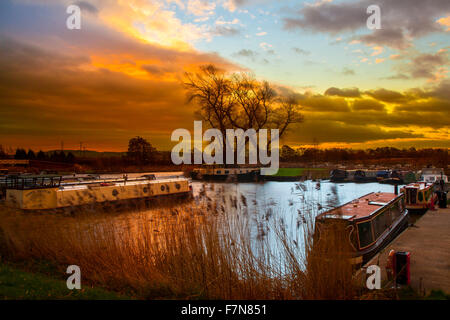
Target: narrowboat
x,y
433,176
371,175
226,174
419,196
48,192
383,174
338,175
371,222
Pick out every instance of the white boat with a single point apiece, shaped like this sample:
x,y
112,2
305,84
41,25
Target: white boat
x,y
47,192
433,175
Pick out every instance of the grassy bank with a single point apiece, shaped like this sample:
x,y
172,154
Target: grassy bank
x,y
303,172
16,284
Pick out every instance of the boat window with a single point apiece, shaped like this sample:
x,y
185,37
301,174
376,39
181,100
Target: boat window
x,y
226,171
412,195
365,234
178,186
162,188
218,171
420,196
396,210
381,222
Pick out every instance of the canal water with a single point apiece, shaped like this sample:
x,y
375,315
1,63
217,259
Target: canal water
x,y
266,209
274,206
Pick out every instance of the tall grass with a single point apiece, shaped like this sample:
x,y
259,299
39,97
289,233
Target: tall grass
x,y
199,251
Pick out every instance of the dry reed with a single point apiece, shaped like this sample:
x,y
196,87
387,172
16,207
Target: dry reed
x,y
199,251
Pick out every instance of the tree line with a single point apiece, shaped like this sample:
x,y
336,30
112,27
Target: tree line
x,y
288,154
55,156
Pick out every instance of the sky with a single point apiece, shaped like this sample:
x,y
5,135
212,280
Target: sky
x,y
121,74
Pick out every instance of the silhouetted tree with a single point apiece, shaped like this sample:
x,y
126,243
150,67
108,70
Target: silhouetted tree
x,y
141,151
21,154
288,154
41,156
3,154
31,155
70,158
58,156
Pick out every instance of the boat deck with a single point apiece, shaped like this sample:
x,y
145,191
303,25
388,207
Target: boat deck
x,y
361,207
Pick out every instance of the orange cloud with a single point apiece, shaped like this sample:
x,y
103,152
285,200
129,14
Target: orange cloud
x,y
445,22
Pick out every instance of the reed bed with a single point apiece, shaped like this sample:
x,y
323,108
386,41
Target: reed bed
x,y
201,250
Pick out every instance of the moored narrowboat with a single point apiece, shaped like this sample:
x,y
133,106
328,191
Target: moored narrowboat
x,y
419,196
47,192
226,174
338,175
371,222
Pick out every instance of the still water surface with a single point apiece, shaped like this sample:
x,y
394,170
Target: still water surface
x,y
288,204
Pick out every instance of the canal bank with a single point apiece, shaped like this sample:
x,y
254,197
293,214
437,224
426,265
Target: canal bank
x,y
428,241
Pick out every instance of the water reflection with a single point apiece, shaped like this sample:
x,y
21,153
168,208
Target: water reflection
x,y
288,205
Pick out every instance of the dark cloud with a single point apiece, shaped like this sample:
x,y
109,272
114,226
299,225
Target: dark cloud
x,y
398,76
226,31
157,70
321,103
421,65
425,65
337,132
442,90
400,19
348,72
85,6
386,95
349,92
301,51
392,37
368,104
329,17
46,97
246,53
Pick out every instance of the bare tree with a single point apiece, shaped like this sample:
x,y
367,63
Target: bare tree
x,y
286,113
253,102
211,90
239,101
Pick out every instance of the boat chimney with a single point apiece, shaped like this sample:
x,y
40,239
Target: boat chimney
x,y
396,189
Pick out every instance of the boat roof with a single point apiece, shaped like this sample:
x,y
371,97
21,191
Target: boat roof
x,y
421,185
361,207
82,186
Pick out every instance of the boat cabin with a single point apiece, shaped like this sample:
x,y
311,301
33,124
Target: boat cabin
x,y
419,196
371,222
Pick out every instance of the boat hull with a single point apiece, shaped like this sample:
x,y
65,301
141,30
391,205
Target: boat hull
x,y
95,194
